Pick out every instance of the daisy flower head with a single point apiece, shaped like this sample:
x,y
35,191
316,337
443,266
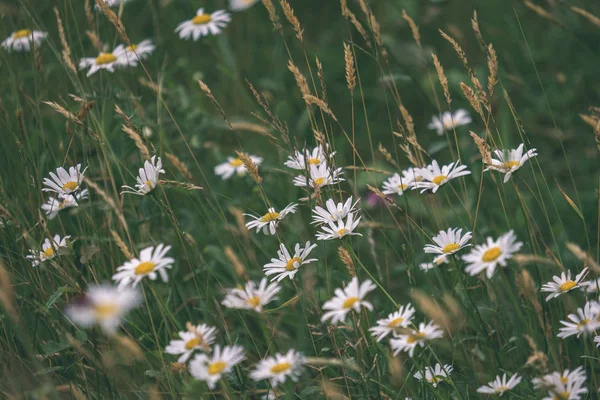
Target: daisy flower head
x,y
240,5
439,260
348,299
399,184
572,390
268,222
586,321
339,229
63,181
500,385
251,297
398,319
319,176
147,178
447,243
277,369
50,249
108,61
203,24
564,284
234,165
434,176
55,204
486,257
22,40
316,157
555,380
112,3
592,286
286,266
334,212
434,375
409,342
449,121
196,338
152,263
132,54
211,368
509,161
103,305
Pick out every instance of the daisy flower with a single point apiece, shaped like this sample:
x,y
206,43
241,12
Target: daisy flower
x,y
130,55
211,368
339,229
240,5
334,212
55,204
597,341
251,297
435,375
399,184
319,176
50,249
147,178
315,157
21,40
509,161
488,256
348,299
398,319
434,176
549,381
564,284
449,121
408,342
195,338
447,243
112,3
442,259
286,265
277,369
584,322
592,286
152,262
268,222
234,166
103,305
573,390
107,61
203,24
500,385
64,182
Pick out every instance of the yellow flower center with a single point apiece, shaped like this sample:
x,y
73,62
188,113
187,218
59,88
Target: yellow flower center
x,y
193,342
236,162
438,179
281,367
511,164
201,19
350,302
319,181
583,323
105,58
491,254
71,185
415,337
148,183
270,216
290,264
448,123
144,268
449,248
106,310
342,232
568,285
132,48
314,161
216,367
22,33
395,322
254,301
402,186
562,396
49,252
564,380
434,379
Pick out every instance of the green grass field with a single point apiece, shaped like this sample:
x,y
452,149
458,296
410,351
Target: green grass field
x,y
363,80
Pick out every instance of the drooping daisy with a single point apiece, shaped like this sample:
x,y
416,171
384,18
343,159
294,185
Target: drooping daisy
x,y
287,266
399,184
277,369
21,40
234,166
151,264
500,385
348,299
434,176
408,342
132,54
549,381
147,178
564,284
268,222
339,229
64,182
55,204
251,297
103,305
398,319
301,159
439,260
108,61
211,368
488,256
50,249
435,375
509,161
586,321
447,243
319,176
449,121
573,390
196,338
334,212
203,24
